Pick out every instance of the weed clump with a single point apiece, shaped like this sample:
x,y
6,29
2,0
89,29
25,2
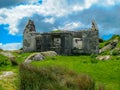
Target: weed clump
x,y
13,61
93,59
85,82
53,78
4,61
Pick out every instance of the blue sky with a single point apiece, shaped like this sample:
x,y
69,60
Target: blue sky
x,y
50,15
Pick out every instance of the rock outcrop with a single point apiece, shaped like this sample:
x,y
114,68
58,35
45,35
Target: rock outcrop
x,y
40,56
110,46
105,57
34,57
49,53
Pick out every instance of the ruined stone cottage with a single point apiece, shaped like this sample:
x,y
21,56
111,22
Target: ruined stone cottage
x,y
63,42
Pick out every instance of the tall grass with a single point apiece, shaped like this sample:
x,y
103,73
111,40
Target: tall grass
x,y
53,78
105,72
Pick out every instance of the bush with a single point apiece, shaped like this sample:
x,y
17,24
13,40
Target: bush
x,y
115,52
13,61
85,82
101,40
4,61
53,78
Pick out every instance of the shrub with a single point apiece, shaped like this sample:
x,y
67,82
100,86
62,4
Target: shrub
x,y
85,82
52,78
115,52
101,40
32,78
4,61
13,61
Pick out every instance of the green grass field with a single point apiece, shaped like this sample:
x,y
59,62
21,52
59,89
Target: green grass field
x,y
106,72
103,72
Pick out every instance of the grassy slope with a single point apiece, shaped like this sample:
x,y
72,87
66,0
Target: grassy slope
x,y
104,43
115,50
9,82
106,72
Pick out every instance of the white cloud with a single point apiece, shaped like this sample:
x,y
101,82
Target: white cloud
x,y
88,3
109,2
49,20
71,26
55,8
10,46
13,15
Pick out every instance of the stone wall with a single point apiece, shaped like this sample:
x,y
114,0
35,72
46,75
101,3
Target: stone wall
x,y
59,42
90,42
64,43
29,42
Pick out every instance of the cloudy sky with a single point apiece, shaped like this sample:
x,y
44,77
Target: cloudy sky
x,y
56,14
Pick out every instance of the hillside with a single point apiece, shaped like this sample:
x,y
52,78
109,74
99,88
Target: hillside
x,y
110,47
104,72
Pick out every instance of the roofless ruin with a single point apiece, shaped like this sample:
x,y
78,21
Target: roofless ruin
x,y
63,42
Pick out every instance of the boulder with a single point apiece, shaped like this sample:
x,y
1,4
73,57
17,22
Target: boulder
x,y
34,57
105,57
6,74
49,53
38,57
110,46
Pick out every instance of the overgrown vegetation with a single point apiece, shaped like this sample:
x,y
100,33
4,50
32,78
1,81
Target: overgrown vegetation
x,y
115,50
105,73
53,78
4,61
56,31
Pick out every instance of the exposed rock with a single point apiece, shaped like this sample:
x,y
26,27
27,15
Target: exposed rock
x,y
28,61
112,45
8,54
34,57
38,57
30,27
105,57
49,53
6,74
